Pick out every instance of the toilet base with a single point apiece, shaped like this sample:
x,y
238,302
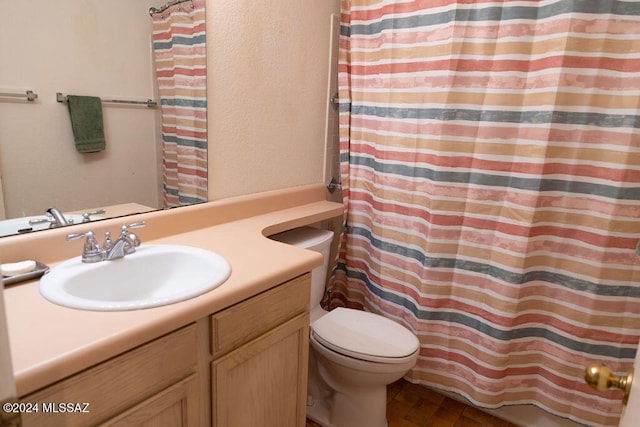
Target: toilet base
x,y
360,407
342,413
318,395
318,412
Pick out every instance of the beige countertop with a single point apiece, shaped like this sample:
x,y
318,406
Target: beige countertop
x,y
50,342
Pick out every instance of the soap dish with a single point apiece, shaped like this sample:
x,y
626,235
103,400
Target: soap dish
x,y
23,277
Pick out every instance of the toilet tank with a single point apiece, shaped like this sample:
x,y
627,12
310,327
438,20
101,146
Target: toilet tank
x,y
316,240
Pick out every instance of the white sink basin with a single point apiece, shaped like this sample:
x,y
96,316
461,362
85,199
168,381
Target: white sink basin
x,y
154,275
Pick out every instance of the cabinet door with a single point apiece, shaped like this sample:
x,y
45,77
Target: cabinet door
x,y
175,406
114,386
264,382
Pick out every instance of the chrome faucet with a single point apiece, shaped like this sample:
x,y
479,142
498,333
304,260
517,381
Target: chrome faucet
x,y
124,245
54,218
58,219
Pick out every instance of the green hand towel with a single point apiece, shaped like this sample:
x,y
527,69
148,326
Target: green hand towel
x,y
87,123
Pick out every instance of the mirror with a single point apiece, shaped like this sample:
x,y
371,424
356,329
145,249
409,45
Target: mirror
x,y
93,48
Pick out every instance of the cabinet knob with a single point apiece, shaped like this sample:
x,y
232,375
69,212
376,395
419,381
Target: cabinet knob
x,y
601,378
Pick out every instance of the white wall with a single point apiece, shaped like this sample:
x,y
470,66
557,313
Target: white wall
x,y
90,47
267,83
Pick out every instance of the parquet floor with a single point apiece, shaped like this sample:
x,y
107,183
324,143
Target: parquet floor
x,y
410,405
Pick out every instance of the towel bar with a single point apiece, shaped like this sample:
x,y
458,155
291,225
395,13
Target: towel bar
x,y
149,102
29,94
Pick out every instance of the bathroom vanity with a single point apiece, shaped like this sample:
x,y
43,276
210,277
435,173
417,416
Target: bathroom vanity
x,y
236,355
245,365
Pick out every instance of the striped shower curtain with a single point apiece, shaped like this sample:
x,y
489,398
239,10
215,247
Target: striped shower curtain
x,y
180,60
490,161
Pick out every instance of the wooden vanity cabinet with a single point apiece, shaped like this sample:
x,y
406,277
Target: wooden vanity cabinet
x,y
242,366
260,349
154,384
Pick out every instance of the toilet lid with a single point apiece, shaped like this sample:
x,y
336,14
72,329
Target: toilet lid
x,y
364,335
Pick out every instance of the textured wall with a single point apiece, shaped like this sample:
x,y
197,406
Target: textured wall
x,y
268,72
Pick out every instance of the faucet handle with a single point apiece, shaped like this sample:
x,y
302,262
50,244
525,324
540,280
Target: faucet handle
x,y
76,236
126,227
91,251
124,230
86,217
131,237
139,224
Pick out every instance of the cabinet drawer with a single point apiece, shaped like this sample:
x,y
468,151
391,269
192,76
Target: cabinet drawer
x,y
119,383
249,319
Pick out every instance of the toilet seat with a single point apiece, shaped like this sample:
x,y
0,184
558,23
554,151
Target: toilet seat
x,y
366,336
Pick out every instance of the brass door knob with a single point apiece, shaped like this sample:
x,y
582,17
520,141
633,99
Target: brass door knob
x,y
601,378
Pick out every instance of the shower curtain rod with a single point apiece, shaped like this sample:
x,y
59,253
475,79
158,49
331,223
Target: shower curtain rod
x,y
161,9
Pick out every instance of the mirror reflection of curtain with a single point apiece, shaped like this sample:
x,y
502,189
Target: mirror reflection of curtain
x,y
180,60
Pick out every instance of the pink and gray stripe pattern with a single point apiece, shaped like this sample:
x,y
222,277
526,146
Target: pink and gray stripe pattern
x,y
180,58
491,174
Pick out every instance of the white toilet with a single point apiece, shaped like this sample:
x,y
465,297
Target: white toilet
x,y
354,354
